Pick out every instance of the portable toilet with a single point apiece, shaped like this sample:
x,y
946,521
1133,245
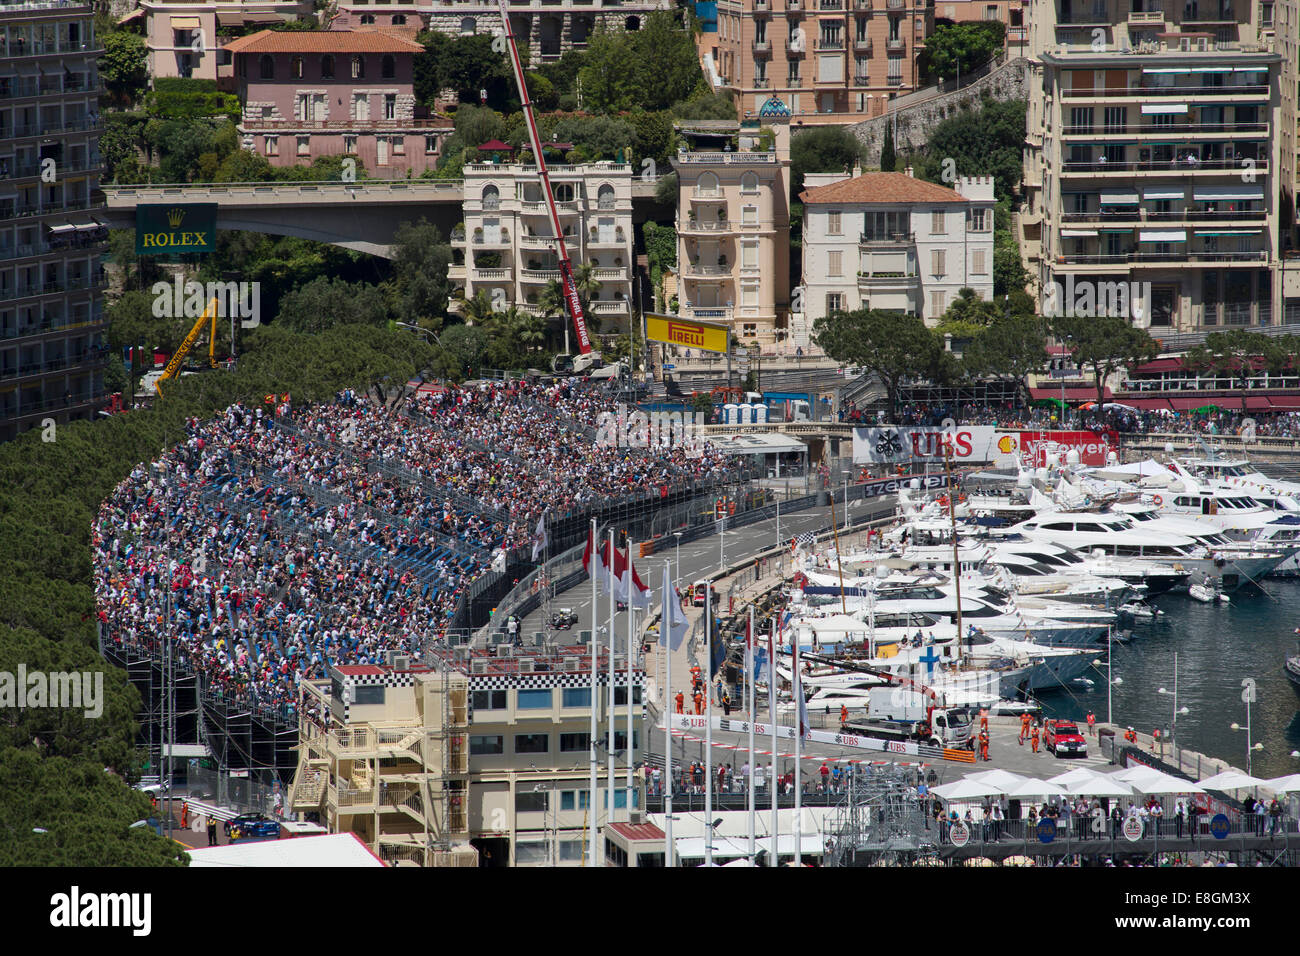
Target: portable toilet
x,y
730,413
760,413
746,413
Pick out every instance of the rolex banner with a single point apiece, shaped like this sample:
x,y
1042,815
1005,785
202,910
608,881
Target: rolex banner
x,y
175,228
886,445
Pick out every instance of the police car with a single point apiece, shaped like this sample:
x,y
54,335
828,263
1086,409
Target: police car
x,y
1063,739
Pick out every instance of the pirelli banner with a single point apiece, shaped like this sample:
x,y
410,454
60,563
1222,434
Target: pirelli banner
x,y
671,330
175,228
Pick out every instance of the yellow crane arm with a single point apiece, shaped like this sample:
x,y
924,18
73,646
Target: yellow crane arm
x,y
173,368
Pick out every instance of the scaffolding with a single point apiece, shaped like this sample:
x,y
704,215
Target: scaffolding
x,y
881,821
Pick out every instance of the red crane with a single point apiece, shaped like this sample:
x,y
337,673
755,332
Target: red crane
x,y
566,268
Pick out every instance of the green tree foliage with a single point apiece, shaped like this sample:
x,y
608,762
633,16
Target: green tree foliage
x,y
652,137
888,159
1241,354
474,126
181,98
1009,273
1104,344
968,316
421,258
822,149
652,68
123,66
1011,348
661,253
465,344
466,64
121,142
706,106
563,73
892,345
953,49
325,302
666,190
984,142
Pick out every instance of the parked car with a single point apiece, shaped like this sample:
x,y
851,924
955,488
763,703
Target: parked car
x,y
247,821
1063,739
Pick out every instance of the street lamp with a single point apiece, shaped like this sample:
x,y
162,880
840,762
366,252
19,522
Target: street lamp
x,y
419,330
1173,728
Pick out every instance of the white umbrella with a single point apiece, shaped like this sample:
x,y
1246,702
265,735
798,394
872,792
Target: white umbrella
x,y
1153,781
966,789
998,778
1232,780
1288,784
1099,786
1071,777
1129,774
740,861
1036,788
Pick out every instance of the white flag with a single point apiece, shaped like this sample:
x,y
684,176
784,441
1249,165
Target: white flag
x,y
630,589
673,625
539,538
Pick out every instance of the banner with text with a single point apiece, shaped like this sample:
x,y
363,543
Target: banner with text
x,y
888,445
1031,448
761,731
173,229
671,330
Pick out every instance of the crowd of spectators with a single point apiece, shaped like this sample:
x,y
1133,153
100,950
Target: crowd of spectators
x,y
275,543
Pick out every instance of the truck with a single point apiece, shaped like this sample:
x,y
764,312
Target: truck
x,y
564,364
788,406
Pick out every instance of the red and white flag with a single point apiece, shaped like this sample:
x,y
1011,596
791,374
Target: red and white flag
x,y
630,588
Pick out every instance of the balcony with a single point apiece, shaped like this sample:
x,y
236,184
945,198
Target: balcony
x,y
710,227
1198,256
886,240
1135,214
492,275
895,81
794,46
1182,92
1214,166
793,6
707,272
1147,18
607,241
456,271
609,306
492,239
830,5
707,313
1180,130
762,8
762,48
895,4
610,274
539,208
862,45
542,276
728,159
830,43
889,280
861,4
540,242
896,45
760,83
862,79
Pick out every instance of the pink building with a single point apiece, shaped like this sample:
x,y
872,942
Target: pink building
x,y
335,93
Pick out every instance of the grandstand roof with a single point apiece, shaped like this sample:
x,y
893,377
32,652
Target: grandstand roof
x,y
335,849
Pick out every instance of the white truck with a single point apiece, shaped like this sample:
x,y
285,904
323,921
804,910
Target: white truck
x,y
901,713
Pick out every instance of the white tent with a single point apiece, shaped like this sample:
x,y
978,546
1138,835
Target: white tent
x,y
1151,781
966,789
998,778
1232,780
1071,777
1287,784
1036,788
1083,782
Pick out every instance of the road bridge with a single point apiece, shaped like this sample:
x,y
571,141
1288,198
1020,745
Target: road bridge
x,y
361,215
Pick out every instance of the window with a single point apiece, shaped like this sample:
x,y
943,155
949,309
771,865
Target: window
x,y
605,197
977,262
488,700
1116,119
938,261
367,19
360,106
273,146
749,215
358,67
390,106
1081,119
749,255
533,699
430,145
295,68
575,743
399,145
266,66
481,745
834,302
833,224
572,849
749,296
576,697
620,695
936,304
304,145
399,19
564,192
834,263
979,219
349,143
530,801
387,67
491,197
937,226
327,67
532,743
749,183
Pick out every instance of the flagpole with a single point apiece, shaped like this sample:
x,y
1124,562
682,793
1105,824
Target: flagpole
x,y
610,710
708,725
631,636
798,751
593,840
666,636
771,705
749,677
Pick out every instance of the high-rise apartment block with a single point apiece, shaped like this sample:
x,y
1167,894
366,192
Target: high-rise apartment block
x,y
1152,161
52,351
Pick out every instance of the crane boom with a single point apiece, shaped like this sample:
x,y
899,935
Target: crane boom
x,y
209,317
566,268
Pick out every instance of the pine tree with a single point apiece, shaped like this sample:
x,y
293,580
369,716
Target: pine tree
x,y
887,158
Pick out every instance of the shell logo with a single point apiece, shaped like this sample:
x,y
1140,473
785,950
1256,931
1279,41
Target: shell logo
x,y
1007,444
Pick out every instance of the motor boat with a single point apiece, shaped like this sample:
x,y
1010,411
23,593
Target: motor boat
x,y
1207,594
1140,612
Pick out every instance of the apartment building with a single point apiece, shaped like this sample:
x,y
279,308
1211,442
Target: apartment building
x,y
184,37
1152,158
733,223
550,28
481,758
506,245
891,241
52,351
333,93
1010,13
831,61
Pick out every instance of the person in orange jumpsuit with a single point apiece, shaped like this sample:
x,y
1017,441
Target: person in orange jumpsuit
x,y
984,744
185,813
984,720
1024,728
1092,724
680,701
699,703
1034,738
844,715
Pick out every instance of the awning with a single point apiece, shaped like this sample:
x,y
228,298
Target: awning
x,y
1186,404
1211,69
185,23
1285,401
87,226
1160,365
1161,109
1166,69
1227,232
1078,233
1220,193
1162,235
1164,192
1250,69
62,228
135,14
1146,404
1118,199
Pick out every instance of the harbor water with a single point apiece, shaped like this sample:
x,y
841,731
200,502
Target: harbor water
x,y
1217,647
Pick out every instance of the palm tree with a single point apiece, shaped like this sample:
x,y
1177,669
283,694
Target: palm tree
x,y
476,310
551,302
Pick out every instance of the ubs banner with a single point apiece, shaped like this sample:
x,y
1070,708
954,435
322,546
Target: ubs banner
x,y
885,445
175,229
1030,448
